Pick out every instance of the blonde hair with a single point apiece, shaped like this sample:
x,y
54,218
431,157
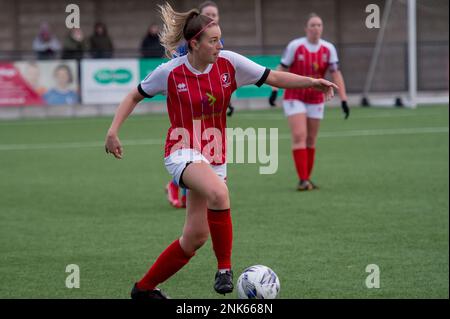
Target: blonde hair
x,y
178,26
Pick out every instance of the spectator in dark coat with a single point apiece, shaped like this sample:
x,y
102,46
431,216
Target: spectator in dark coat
x,y
100,43
150,46
74,45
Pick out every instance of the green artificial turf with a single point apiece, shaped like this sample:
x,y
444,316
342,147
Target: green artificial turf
x,y
383,199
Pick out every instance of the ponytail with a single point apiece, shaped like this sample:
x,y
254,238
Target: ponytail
x,y
180,25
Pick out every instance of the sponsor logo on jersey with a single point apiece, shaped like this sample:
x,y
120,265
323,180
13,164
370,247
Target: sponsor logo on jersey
x,y
315,66
209,99
225,79
208,109
181,87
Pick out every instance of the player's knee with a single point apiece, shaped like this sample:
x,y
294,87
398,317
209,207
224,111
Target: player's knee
x,y
218,197
200,239
311,142
194,240
299,139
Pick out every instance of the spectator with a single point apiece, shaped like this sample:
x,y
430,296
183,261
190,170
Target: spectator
x,y
100,43
74,45
150,46
46,45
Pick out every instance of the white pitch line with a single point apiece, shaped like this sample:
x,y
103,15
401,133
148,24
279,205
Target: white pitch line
x,y
352,117
353,133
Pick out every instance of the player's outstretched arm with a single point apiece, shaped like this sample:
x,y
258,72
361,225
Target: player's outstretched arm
x,y
286,80
112,143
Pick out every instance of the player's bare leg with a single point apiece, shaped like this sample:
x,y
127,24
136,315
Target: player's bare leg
x,y
196,229
195,234
299,133
201,178
313,131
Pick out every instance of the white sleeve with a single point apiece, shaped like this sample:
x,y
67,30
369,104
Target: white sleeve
x,y
333,55
247,71
289,54
155,82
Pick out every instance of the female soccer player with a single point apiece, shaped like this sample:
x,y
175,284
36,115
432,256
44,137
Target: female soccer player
x,y
308,56
198,87
209,9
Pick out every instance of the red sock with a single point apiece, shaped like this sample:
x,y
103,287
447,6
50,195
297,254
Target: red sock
x,y
301,163
221,230
172,259
311,156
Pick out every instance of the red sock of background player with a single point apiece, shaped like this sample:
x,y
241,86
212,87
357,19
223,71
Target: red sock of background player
x,y
301,163
311,157
221,230
172,259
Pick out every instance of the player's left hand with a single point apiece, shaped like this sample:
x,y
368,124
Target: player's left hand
x,y
345,109
230,110
326,87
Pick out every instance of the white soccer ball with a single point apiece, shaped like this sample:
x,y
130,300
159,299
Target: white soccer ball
x,y
258,282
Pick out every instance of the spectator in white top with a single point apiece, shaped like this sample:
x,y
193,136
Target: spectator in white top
x,y
46,45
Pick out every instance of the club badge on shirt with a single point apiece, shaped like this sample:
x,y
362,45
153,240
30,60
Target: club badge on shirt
x,y
225,78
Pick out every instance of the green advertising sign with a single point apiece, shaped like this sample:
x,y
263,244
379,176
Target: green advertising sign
x,y
107,76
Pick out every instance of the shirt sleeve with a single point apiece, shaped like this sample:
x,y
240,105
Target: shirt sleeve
x,y
247,71
333,55
154,83
288,55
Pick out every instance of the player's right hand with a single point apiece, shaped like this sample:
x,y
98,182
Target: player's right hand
x,y
273,97
113,146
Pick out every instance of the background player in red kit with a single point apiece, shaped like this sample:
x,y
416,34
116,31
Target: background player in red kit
x,y
308,56
198,88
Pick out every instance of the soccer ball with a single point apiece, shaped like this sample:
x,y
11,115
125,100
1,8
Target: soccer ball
x,y
258,282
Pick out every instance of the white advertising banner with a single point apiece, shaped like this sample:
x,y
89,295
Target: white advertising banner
x,y
106,81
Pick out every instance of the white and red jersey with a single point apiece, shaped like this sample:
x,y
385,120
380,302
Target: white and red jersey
x,y
304,58
197,101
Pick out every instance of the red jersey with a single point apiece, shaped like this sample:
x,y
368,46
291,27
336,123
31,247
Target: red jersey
x,y
304,58
197,101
